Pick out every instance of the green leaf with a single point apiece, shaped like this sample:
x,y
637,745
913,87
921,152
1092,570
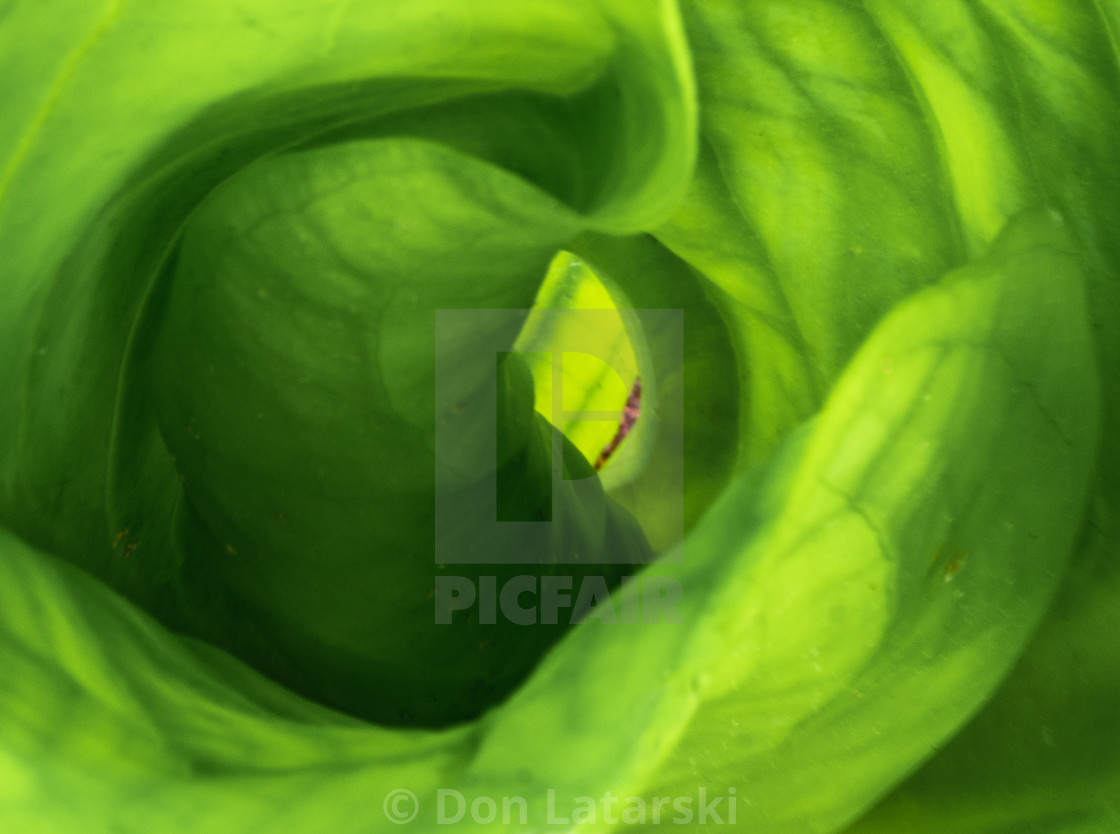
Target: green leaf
x,y
192,445
79,267
816,205
110,720
889,228
880,555
1041,756
909,549
970,112
301,317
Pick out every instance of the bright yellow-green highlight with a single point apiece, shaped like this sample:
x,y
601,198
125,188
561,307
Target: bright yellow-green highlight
x,y
596,380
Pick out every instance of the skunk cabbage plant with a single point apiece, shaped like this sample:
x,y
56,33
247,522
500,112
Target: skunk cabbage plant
x,y
289,292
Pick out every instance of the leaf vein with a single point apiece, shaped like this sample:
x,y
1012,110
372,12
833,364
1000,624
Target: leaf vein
x,y
65,75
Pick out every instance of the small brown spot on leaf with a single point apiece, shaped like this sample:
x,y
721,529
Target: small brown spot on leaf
x,y
954,565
